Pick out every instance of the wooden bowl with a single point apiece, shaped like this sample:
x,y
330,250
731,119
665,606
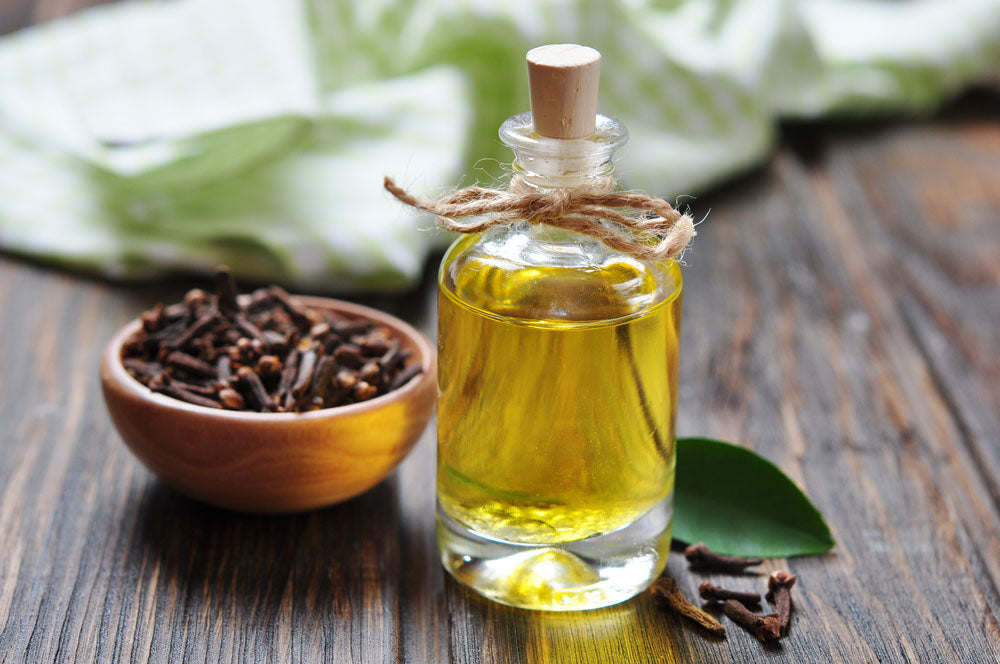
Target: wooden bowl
x,y
273,462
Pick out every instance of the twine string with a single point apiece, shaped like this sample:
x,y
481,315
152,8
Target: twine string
x,y
591,209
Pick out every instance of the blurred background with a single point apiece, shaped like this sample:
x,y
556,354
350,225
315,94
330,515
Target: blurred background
x,y
157,137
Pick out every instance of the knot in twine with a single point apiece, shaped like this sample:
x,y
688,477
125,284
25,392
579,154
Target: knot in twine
x,y
589,209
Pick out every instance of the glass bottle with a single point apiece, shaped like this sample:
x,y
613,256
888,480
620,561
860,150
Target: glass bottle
x,y
557,398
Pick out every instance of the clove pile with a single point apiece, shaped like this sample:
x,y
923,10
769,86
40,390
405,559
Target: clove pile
x,y
739,606
264,352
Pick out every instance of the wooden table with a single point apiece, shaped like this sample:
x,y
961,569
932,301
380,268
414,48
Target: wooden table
x,y
841,316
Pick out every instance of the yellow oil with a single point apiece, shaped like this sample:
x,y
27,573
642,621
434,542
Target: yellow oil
x,y
557,395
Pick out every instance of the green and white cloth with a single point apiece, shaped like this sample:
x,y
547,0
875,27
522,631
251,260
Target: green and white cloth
x,y
150,137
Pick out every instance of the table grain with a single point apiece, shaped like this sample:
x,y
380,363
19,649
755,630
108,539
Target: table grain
x,y
841,316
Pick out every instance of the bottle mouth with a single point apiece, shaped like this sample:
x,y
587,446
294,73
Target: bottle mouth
x,y
562,162
518,132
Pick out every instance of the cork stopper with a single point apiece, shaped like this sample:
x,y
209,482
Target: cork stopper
x,y
563,80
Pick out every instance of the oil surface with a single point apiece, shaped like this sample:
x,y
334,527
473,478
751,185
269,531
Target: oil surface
x,y
555,423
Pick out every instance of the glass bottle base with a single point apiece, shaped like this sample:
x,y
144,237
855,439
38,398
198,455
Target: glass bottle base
x,y
587,574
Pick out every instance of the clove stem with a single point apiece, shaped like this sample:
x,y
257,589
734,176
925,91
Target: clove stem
x,y
703,558
225,288
765,628
667,595
405,376
779,593
713,593
256,388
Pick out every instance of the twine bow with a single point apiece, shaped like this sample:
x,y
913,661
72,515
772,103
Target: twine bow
x,y
590,210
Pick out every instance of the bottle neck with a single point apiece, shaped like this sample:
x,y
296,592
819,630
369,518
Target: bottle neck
x,y
549,163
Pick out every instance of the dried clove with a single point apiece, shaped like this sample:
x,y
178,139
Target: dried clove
x,y
147,345
265,352
372,345
275,340
307,364
251,381
202,390
251,330
200,327
701,557
322,378
713,593
364,391
371,372
195,298
231,399
666,594
779,593
347,379
268,366
152,320
346,328
224,368
320,330
299,317
139,368
392,357
241,351
192,365
225,286
288,374
405,376
349,355
765,628
172,390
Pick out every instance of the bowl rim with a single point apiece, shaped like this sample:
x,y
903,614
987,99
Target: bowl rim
x,y
113,368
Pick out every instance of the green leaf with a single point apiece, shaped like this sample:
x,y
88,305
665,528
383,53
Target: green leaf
x,y
739,503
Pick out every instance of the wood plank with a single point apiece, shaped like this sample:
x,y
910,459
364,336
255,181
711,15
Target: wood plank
x,y
792,343
840,317
940,201
805,327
